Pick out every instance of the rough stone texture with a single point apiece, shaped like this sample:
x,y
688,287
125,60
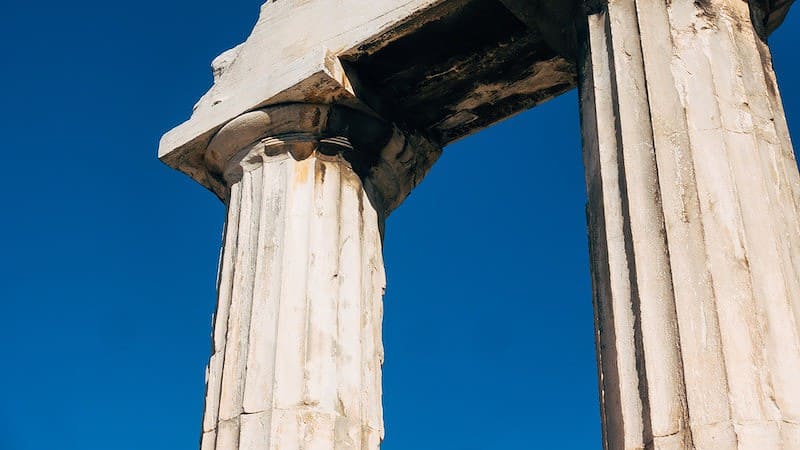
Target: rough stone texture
x,y
390,163
437,69
460,66
290,57
694,219
769,14
297,350
332,111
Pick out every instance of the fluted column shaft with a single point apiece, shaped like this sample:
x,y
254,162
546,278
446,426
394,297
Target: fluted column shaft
x,y
297,351
297,334
694,201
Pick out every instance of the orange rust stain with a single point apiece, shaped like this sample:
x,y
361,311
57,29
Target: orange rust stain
x,y
301,170
320,172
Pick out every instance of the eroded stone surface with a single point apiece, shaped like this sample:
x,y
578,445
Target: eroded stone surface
x,y
297,350
694,218
436,69
441,69
332,111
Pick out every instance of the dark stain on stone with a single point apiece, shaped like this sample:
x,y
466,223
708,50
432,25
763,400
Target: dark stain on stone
x,y
706,8
321,168
317,116
591,7
448,77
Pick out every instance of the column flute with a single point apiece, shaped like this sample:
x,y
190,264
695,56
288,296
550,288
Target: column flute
x,y
297,352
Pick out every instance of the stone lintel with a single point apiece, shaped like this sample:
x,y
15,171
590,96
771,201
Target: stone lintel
x,y
289,57
316,78
439,69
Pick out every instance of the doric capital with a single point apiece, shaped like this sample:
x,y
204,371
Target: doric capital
x,y
389,161
298,129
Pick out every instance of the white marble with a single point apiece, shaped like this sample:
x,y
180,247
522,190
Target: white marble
x,y
694,207
297,336
694,196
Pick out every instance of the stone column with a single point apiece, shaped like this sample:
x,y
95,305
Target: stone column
x,y
297,351
694,201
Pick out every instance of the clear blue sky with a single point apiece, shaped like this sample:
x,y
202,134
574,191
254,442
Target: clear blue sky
x,y
109,257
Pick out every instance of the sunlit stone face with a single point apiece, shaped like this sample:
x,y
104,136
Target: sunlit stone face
x,y
325,119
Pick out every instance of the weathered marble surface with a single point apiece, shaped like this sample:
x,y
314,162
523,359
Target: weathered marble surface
x,y
440,69
297,339
289,57
332,111
297,350
694,219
